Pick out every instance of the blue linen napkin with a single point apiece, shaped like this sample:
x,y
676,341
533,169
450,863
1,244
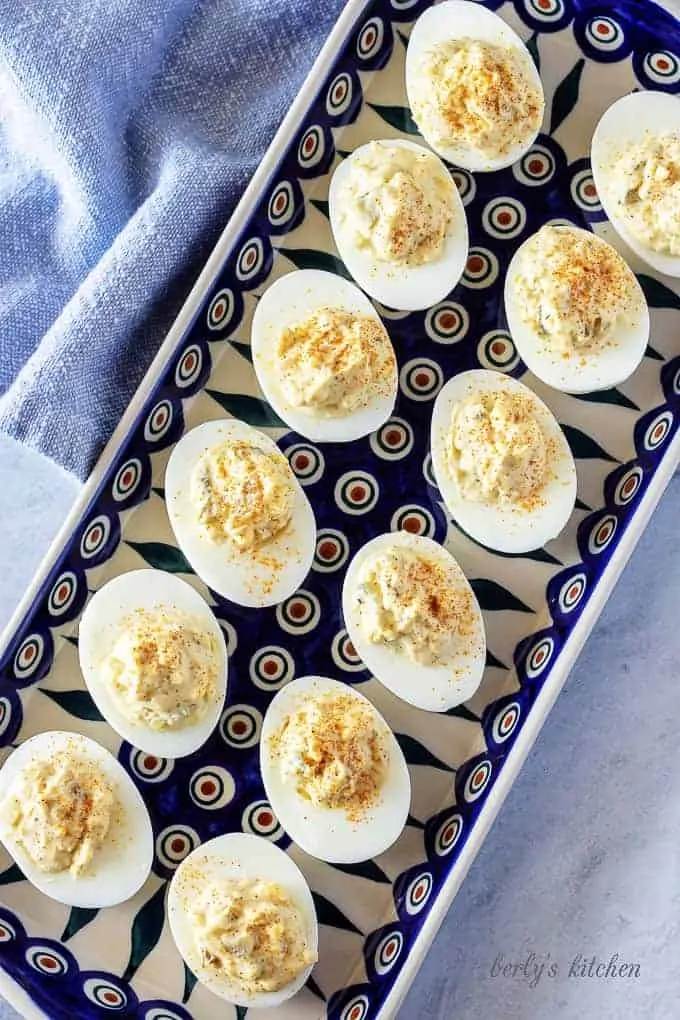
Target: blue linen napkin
x,y
128,131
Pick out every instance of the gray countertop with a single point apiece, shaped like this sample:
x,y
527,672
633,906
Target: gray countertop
x,y
584,859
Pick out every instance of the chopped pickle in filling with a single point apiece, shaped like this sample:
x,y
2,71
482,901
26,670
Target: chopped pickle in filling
x,y
250,933
243,494
163,669
476,94
333,751
60,811
497,451
335,362
398,204
573,290
645,181
407,599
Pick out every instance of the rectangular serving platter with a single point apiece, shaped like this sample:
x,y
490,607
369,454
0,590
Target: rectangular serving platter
x,y
378,919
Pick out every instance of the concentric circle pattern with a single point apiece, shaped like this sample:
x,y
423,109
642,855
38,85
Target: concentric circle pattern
x,y
299,614
534,656
271,667
332,551
47,959
344,654
584,193
466,184
447,323
383,950
212,788
477,781
496,350
259,819
545,15
504,218
415,519
174,843
307,463
448,834
482,269
190,368
340,97
536,167
418,893
356,492
240,726
393,440
105,994
421,379
283,206
221,310
659,69
148,768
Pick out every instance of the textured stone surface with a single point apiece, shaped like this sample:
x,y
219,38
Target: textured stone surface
x,y
584,856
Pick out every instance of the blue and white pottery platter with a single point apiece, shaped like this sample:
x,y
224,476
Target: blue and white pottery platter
x,y
378,918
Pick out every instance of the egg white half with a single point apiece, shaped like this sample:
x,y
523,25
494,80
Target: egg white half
x,y
505,528
237,856
327,833
256,578
584,371
433,688
462,19
404,287
102,624
288,302
630,121
123,862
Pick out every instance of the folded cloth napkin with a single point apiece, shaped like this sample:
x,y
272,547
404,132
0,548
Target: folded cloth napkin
x,y
128,131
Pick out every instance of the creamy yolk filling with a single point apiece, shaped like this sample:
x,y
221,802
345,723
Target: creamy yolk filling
x,y
397,205
60,811
333,751
574,290
243,494
406,599
476,94
163,669
335,362
646,185
497,451
249,932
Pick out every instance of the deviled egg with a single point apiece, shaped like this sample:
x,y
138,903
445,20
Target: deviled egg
x,y
74,821
575,310
472,86
501,462
155,661
323,358
635,156
243,919
239,514
399,223
333,771
414,620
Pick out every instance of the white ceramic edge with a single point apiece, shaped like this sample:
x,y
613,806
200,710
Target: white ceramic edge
x,y
13,992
